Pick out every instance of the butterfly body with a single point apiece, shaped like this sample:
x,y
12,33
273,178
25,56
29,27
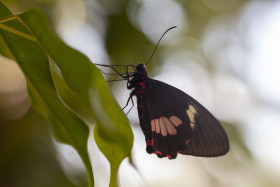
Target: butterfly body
x,y
173,122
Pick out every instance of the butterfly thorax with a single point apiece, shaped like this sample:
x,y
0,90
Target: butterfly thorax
x,y
139,77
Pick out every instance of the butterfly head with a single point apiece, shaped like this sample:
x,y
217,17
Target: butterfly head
x,y
140,67
139,76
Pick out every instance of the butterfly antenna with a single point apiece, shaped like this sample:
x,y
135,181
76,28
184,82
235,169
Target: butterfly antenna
x,y
158,44
144,51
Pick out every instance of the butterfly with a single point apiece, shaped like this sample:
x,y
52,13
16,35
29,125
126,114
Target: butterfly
x,y
171,120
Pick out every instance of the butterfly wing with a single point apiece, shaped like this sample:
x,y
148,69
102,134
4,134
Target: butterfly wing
x,y
173,122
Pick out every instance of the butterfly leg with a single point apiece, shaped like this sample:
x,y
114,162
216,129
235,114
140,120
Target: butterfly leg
x,y
118,73
129,99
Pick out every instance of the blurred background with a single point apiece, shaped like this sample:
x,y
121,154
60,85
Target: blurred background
x,y
224,53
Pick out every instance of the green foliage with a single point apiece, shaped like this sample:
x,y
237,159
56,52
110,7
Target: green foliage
x,y
73,78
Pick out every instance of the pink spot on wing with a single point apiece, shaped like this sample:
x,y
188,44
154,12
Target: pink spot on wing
x,y
153,125
157,126
179,151
165,126
141,83
168,156
170,128
175,121
140,91
163,129
187,141
141,97
140,106
143,86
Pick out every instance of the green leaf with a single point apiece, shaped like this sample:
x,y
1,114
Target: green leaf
x,y
67,127
68,95
85,80
113,151
78,79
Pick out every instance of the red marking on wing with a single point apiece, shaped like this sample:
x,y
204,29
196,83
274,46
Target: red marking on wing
x,y
169,156
140,91
187,141
158,152
150,142
140,106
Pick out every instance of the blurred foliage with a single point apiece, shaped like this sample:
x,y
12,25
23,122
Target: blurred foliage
x,y
122,43
28,158
236,138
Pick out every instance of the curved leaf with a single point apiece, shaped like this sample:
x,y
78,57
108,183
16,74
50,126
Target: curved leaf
x,y
66,126
113,151
77,77
84,79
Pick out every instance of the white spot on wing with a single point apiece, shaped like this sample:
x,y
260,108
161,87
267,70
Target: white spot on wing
x,y
191,115
192,125
192,109
191,112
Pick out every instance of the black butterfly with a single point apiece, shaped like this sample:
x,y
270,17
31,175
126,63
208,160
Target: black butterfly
x,y
172,121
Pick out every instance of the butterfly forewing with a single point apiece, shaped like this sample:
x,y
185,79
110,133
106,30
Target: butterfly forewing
x,y
173,122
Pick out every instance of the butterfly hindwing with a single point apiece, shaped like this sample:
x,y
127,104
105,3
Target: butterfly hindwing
x,y
164,122
173,122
